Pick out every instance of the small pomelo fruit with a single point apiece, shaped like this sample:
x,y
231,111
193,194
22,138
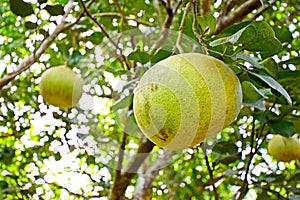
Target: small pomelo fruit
x,y
186,98
284,148
61,87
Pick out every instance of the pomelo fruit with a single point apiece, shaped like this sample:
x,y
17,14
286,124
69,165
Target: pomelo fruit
x,y
186,98
61,87
283,148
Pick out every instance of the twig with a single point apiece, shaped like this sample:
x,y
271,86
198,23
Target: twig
x,y
210,171
181,29
80,16
42,48
122,58
195,23
112,14
116,2
158,12
167,24
242,191
263,9
120,157
225,21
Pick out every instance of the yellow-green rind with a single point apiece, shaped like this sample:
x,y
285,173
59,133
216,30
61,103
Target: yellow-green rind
x,y
186,98
61,87
284,149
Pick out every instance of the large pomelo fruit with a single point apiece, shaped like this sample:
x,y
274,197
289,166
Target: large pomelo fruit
x,y
284,148
186,98
61,87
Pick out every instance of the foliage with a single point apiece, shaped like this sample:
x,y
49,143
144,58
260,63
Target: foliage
x,y
95,149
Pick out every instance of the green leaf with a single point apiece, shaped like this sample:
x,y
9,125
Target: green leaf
x,y
21,8
264,45
123,103
257,36
139,56
42,1
273,84
229,159
252,96
259,104
270,66
30,25
220,41
289,75
250,92
273,178
252,60
75,58
244,35
236,27
3,185
225,147
160,55
294,60
284,128
296,43
44,33
208,21
295,177
283,34
95,38
55,10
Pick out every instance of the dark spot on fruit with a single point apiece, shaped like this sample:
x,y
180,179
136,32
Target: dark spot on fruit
x,y
153,87
163,134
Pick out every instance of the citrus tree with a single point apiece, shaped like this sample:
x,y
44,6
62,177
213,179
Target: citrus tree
x,y
95,149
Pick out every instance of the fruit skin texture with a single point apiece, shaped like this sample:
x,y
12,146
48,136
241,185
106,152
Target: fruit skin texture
x,y
284,149
61,87
186,98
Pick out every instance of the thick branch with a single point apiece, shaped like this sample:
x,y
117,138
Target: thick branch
x,y
205,6
119,187
42,48
239,14
145,180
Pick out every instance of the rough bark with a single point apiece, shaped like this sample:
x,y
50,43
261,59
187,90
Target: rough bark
x,y
205,6
237,15
143,187
123,180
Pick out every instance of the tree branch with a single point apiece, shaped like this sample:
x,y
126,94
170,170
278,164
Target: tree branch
x,y
263,9
210,171
119,187
239,14
158,12
205,6
146,178
242,191
42,48
120,157
113,14
181,29
167,24
121,57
